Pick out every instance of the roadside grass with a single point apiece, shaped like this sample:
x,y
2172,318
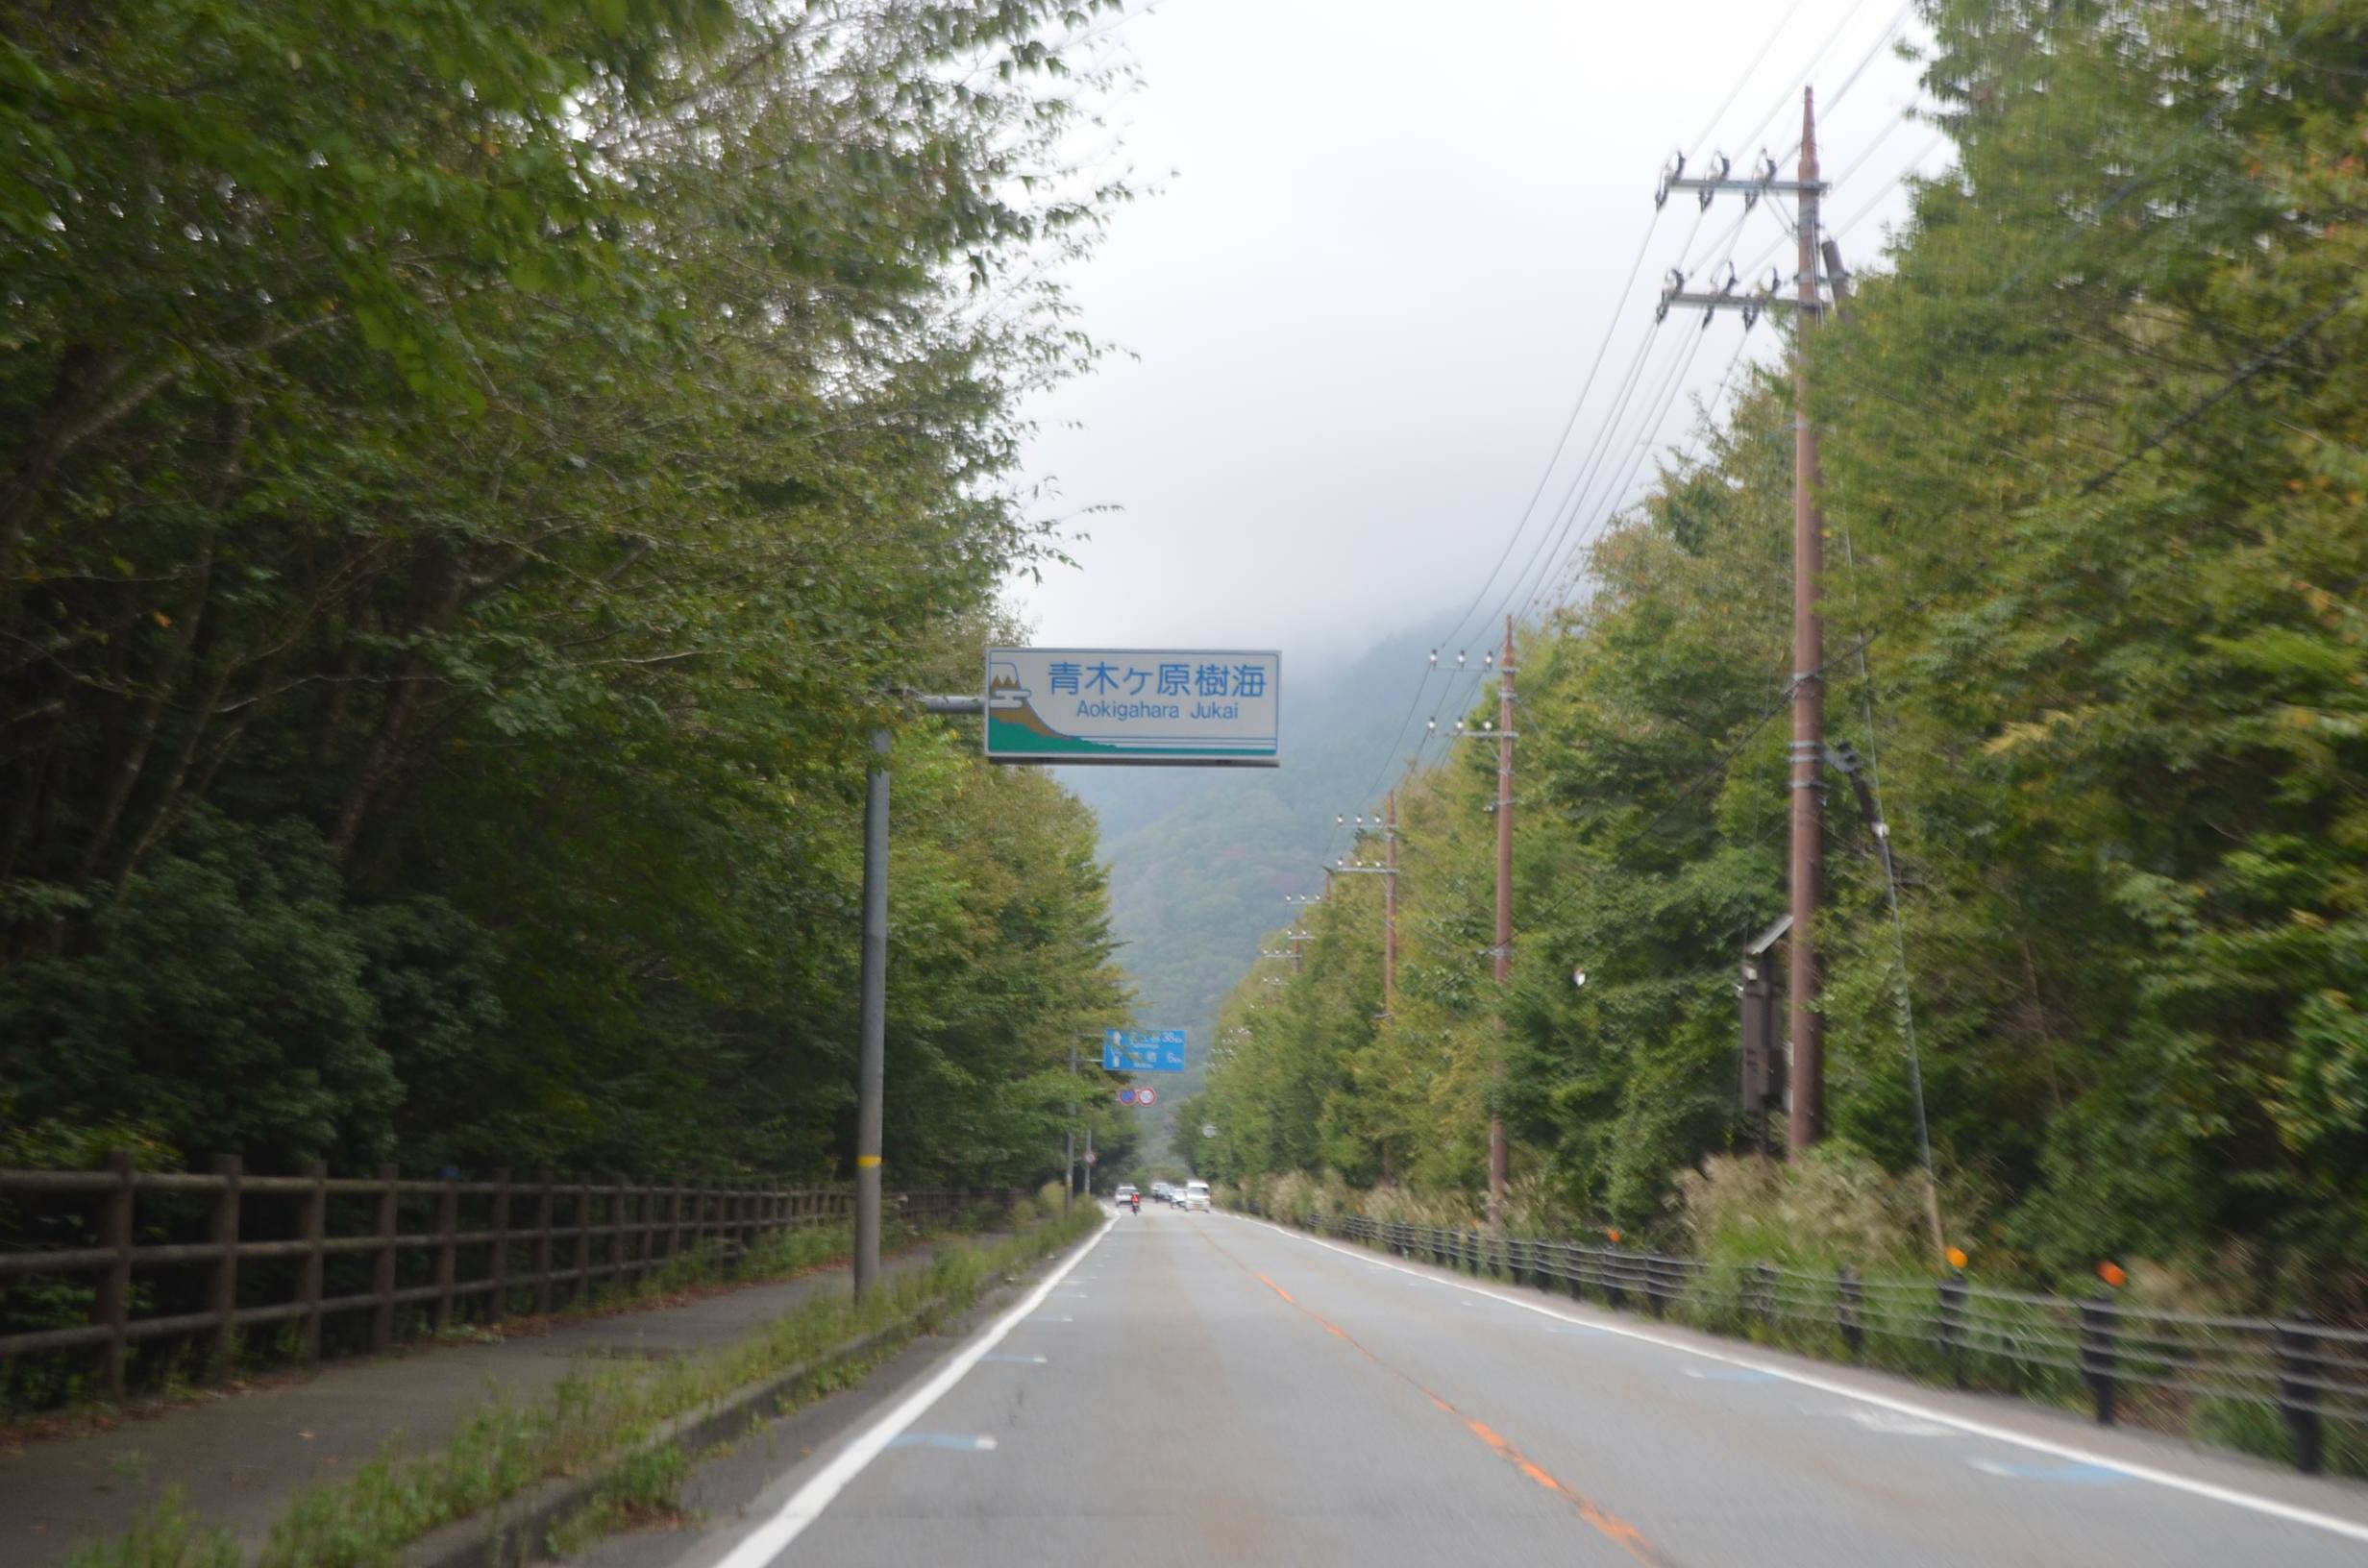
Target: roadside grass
x,y
365,1520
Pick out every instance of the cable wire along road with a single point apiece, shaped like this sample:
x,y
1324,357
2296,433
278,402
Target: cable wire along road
x,y
1207,1390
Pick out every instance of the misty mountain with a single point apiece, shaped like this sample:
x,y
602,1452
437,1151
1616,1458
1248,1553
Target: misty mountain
x,y
1200,858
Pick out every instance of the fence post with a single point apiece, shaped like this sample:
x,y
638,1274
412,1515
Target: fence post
x,y
222,1288
2097,1355
383,1266
617,1276
497,1264
674,1222
116,1231
584,1241
1850,1311
316,1232
1949,1328
447,1248
543,1218
2298,1401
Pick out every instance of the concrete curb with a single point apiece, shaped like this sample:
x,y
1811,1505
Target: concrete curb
x,y
513,1532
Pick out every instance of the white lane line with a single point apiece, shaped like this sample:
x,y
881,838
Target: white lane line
x,y
2210,1490
768,1540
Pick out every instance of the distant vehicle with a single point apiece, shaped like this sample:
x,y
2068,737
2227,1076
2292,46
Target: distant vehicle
x,y
1196,1195
1127,1195
1164,1191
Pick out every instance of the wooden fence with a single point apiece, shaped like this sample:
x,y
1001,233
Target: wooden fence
x,y
459,1250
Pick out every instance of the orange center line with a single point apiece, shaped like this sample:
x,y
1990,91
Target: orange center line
x,y
1610,1526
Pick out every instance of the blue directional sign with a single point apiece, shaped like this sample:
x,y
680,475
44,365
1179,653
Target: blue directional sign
x,y
1143,1050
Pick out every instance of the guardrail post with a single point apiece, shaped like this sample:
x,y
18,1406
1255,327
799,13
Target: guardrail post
x,y
447,1247
222,1289
1950,1326
496,1261
544,1204
1653,1302
315,1260
116,1231
1574,1269
382,1265
1850,1311
1614,1276
2297,1350
2097,1355
1763,1294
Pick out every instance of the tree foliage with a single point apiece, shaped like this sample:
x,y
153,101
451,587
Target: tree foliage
x,y
2098,511
471,475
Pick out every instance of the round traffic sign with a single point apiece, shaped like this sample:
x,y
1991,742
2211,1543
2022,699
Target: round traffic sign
x,y
1208,1129
1126,1096
1146,1096
1090,1157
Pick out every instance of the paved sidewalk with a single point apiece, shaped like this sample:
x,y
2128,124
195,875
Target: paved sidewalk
x,y
241,1459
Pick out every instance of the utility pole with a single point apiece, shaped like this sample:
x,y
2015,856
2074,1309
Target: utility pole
x,y
1069,1135
1806,1124
1389,909
1386,826
870,1067
1500,1162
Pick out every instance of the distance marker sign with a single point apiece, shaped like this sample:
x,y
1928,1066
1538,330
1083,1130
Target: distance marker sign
x,y
1182,707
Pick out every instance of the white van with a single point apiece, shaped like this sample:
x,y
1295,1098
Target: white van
x,y
1196,1195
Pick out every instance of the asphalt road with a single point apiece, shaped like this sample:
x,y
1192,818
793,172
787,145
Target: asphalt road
x,y
1207,1390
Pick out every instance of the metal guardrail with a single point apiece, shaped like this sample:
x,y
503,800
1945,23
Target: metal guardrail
x,y
2094,1349
527,1246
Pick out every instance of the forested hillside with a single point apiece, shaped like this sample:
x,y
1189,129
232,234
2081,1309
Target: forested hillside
x,y
2097,610
1199,860
470,478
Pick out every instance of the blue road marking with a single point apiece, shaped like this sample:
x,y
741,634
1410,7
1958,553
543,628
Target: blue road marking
x,y
2071,1475
961,1442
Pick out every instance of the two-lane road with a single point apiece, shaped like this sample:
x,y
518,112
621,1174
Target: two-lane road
x,y
1207,1390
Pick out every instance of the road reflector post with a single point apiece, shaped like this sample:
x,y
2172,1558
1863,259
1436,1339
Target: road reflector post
x,y
2097,1355
1949,1328
2297,1350
1850,1311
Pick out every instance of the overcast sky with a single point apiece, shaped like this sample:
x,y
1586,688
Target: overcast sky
x,y
1391,246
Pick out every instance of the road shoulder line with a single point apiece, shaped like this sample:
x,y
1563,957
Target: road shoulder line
x,y
761,1545
2212,1491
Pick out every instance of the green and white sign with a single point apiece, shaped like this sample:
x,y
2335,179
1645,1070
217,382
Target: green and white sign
x,y
1186,707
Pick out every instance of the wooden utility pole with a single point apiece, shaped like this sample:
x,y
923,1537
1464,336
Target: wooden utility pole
x,y
1807,1123
1806,1079
1498,1159
1389,906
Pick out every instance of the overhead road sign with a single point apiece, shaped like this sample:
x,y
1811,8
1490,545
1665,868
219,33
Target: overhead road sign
x,y
1138,1050
1181,707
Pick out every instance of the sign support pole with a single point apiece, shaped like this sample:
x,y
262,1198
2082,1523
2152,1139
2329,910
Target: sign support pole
x,y
871,1068
1069,1135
